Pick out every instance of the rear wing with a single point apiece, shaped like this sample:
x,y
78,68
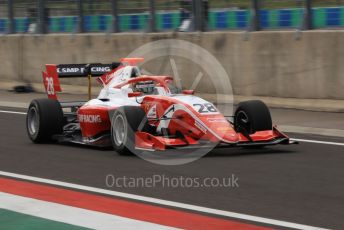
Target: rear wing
x,y
55,72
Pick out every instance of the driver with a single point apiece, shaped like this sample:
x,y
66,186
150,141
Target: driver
x,y
145,87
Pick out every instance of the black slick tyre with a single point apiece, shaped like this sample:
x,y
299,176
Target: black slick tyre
x,y
252,116
44,119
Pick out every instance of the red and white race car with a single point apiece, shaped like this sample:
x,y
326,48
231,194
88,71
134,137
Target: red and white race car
x,y
139,112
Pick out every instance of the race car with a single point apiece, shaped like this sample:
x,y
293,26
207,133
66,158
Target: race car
x,y
139,112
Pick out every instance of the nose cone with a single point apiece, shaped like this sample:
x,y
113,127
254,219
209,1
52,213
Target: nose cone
x,y
227,133
221,128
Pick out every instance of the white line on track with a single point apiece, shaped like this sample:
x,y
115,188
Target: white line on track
x,y
12,112
164,202
318,142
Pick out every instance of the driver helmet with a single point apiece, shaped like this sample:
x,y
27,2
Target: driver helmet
x,y
145,87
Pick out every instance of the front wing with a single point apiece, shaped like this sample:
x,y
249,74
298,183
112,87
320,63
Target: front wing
x,y
146,141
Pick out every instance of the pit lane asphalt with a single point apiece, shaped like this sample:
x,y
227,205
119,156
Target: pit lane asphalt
x,y
298,183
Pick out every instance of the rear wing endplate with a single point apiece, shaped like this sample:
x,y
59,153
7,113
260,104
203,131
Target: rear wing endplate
x,y
54,72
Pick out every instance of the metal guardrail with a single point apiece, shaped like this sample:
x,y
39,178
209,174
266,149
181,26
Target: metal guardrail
x,y
77,16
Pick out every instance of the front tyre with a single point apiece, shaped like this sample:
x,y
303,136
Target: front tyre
x,y
125,122
44,119
252,116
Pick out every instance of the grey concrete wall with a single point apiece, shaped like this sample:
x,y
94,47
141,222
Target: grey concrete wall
x,y
277,64
10,58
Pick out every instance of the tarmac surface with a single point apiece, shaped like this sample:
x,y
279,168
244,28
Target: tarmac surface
x,y
298,183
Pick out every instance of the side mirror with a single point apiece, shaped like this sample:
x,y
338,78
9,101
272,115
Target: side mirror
x,y
188,91
134,94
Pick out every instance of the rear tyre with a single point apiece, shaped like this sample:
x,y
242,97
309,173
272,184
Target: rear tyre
x,y
43,120
252,116
126,121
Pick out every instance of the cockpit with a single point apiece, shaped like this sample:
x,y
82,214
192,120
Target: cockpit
x,y
150,85
145,87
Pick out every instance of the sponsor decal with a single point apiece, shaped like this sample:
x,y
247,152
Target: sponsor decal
x,y
224,128
101,69
70,70
122,74
89,118
200,126
81,70
152,112
216,120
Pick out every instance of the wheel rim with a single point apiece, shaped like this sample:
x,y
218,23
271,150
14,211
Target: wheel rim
x,y
243,121
33,121
119,130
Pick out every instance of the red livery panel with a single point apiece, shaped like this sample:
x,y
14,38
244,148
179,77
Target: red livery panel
x,y
94,120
